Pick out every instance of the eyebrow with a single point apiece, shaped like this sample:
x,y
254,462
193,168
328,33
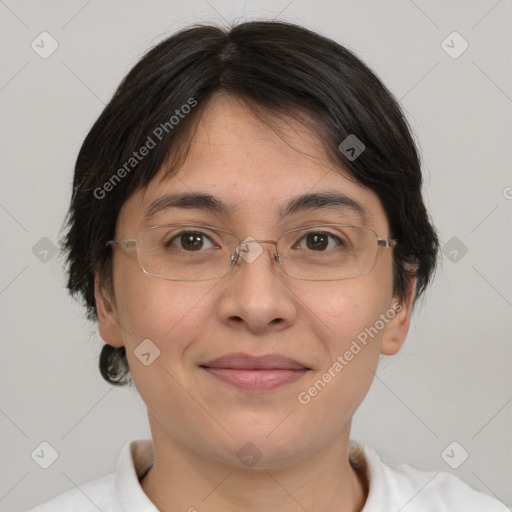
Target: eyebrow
x,y
328,200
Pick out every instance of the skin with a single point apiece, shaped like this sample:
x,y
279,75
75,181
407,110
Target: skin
x,y
199,423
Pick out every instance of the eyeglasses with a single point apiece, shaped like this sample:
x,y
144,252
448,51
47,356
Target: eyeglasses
x,y
190,252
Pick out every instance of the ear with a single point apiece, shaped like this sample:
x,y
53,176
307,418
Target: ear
x,y
398,326
108,324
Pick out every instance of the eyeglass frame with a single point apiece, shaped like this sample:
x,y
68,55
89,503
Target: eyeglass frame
x,y
235,258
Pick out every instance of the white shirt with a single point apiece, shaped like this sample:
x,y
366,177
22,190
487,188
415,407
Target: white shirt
x,y
392,487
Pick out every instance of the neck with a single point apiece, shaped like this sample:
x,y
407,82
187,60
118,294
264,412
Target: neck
x,y
182,479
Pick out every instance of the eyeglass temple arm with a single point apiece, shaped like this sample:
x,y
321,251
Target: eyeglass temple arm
x,y
387,242
124,244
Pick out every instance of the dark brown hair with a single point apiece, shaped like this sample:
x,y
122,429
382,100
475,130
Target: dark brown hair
x,y
278,67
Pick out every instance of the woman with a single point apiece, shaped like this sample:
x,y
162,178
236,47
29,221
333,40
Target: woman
x,y
247,227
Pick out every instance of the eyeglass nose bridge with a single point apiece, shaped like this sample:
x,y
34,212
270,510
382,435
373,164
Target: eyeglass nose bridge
x,y
248,255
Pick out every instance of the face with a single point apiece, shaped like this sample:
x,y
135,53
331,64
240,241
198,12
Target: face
x,y
256,309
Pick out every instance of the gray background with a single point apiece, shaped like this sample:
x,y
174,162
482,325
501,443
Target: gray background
x,y
451,382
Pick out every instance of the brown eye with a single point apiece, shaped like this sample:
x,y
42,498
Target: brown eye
x,y
190,241
320,241
317,241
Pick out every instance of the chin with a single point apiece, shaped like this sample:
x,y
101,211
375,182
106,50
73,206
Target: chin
x,y
253,449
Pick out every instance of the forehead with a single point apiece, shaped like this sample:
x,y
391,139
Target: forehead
x,y
258,168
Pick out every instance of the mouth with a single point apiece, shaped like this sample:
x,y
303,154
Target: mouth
x,y
252,373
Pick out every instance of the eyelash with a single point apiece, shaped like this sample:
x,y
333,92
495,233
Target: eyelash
x,y
179,235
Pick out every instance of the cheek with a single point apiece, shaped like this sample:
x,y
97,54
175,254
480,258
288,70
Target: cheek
x,y
171,316
167,312
349,329
342,310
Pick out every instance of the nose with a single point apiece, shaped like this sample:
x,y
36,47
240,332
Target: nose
x,y
255,293
249,253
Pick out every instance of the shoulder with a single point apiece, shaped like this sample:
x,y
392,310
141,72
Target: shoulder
x,y
401,486
117,492
97,495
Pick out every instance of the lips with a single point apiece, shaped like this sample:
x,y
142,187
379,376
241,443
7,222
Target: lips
x,y
240,361
251,373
